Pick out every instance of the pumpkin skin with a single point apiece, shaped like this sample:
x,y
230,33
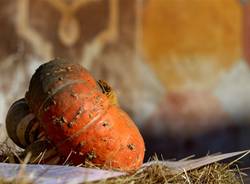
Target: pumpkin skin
x,y
80,120
112,142
22,125
52,77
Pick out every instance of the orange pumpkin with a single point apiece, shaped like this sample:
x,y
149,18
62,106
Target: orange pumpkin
x,y
80,120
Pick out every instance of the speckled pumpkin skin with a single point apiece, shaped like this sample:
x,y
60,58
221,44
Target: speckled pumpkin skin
x,y
80,120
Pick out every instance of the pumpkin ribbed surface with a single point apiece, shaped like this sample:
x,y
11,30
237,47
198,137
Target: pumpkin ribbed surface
x,y
80,120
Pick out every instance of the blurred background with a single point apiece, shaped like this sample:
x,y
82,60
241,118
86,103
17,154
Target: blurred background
x,y
180,68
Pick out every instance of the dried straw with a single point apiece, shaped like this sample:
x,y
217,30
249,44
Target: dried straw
x,y
157,173
215,173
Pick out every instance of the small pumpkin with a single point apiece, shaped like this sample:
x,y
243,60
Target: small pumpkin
x,y
22,125
82,121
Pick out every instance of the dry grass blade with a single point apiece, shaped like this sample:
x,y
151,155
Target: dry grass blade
x,y
22,177
15,181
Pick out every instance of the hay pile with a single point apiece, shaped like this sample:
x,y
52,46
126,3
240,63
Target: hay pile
x,y
215,173
211,174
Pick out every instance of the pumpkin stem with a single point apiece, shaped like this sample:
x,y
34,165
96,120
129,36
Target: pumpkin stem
x,y
108,91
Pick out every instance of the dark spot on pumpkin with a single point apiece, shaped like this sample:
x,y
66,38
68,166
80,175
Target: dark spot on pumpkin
x,y
105,123
70,124
78,114
90,116
131,146
74,95
80,111
104,139
60,78
58,121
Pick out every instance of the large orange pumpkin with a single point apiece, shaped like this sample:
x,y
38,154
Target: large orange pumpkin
x,y
80,120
